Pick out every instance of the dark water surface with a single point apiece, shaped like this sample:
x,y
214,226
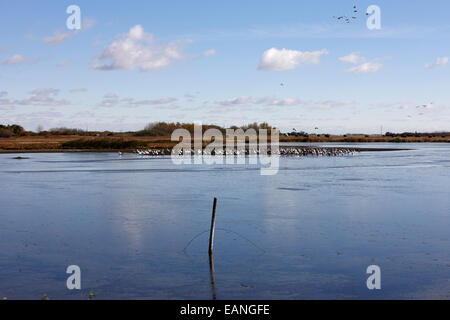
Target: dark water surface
x,y
137,227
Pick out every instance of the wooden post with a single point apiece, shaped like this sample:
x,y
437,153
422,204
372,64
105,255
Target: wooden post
x,y
213,224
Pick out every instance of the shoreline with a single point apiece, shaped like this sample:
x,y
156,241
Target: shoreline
x,y
353,149
129,143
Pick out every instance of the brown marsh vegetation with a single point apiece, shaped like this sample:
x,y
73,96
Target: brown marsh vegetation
x,y
13,138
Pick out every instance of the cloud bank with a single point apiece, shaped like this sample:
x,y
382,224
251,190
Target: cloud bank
x,y
439,62
284,59
368,67
137,49
353,57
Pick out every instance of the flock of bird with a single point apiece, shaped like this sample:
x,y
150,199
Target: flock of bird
x,y
282,151
315,151
153,152
424,105
348,19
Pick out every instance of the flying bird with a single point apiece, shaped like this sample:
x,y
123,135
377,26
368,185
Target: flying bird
x,y
347,19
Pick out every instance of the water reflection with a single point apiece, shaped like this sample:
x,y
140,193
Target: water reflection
x,y
212,275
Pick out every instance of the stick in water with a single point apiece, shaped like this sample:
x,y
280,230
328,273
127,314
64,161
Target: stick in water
x,y
213,224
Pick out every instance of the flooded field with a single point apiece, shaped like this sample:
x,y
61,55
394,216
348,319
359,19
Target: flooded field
x,y
138,226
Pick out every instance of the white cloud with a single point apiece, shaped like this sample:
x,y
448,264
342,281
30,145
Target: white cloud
x,y
111,96
84,114
137,49
272,101
284,59
107,103
269,101
112,99
5,103
368,67
59,37
209,52
189,96
29,36
15,59
439,62
87,23
353,57
169,107
76,90
152,102
64,63
45,91
237,101
365,67
39,115
331,104
43,97
109,100
5,107
38,97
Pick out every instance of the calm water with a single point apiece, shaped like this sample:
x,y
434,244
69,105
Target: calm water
x,y
136,226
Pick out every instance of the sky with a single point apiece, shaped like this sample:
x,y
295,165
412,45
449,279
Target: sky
x,y
293,64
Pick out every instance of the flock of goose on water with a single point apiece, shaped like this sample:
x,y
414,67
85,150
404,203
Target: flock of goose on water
x,y
282,151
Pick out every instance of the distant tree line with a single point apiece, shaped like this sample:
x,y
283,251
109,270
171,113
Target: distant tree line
x,y
152,129
418,134
14,130
296,134
158,129
7,131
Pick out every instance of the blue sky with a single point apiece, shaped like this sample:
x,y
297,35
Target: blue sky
x,y
223,62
